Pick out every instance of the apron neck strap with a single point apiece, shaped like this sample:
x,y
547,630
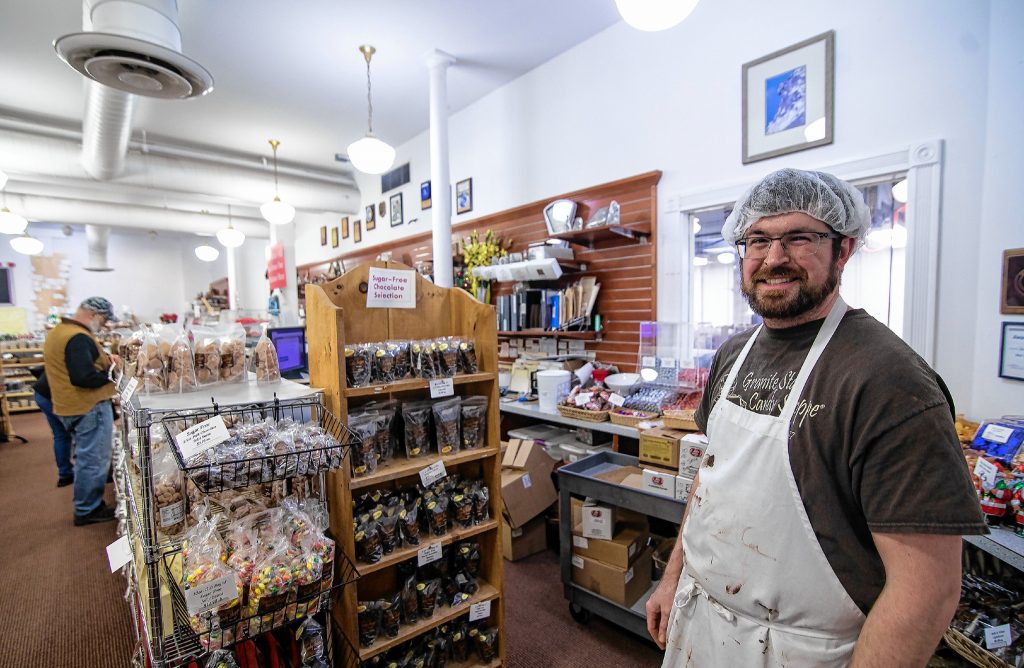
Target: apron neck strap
x,y
828,328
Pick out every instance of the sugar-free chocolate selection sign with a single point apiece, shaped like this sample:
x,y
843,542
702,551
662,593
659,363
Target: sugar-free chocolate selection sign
x,y
391,288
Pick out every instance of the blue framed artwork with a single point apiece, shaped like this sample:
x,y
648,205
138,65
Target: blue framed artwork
x,y
425,200
788,99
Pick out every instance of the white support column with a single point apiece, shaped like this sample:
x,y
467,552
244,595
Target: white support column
x,y
285,234
232,257
440,178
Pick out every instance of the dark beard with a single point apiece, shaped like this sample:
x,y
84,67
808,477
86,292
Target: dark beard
x,y
807,298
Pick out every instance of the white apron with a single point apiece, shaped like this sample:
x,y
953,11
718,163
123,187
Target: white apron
x,y
756,588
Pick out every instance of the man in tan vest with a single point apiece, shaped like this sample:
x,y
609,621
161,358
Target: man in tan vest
x,y
76,368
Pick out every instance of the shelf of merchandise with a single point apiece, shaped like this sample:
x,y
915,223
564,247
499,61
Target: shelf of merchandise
x,y
532,410
160,618
404,554
1002,544
549,333
590,236
336,312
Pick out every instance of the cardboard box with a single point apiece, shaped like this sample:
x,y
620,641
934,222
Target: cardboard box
x,y
660,482
525,494
620,551
598,521
527,455
691,454
683,487
660,446
528,539
622,517
622,585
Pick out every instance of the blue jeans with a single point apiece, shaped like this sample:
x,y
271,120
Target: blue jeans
x,y
61,437
93,434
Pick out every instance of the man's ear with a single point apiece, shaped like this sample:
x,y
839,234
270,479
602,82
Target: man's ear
x,y
846,248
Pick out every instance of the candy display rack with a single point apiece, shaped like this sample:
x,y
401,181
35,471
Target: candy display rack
x,y
161,620
336,313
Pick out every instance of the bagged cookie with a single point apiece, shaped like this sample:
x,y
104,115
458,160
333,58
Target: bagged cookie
x,y
206,356
264,361
168,493
150,367
181,373
232,355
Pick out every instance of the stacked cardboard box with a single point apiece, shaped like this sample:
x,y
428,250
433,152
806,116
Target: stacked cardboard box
x,y
526,492
616,566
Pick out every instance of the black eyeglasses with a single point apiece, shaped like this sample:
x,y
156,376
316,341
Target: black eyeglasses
x,y
798,244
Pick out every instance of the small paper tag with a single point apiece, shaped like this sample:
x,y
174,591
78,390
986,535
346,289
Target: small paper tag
x,y
580,542
629,575
442,387
631,551
481,610
432,473
998,636
516,533
648,362
577,561
997,433
429,554
987,471
668,362
172,514
210,595
119,553
527,483
129,390
583,397
616,399
202,437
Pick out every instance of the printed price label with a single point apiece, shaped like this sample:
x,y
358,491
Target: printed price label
x,y
210,595
432,473
616,399
583,397
480,610
580,542
202,437
577,561
172,514
129,390
119,553
997,433
516,533
648,362
527,483
629,575
429,554
987,471
998,636
442,387
668,362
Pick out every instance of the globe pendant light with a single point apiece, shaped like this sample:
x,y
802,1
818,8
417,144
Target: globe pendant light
x,y
369,154
11,223
275,211
27,245
654,15
207,253
229,237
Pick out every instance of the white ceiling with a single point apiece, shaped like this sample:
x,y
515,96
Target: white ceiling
x,y
292,70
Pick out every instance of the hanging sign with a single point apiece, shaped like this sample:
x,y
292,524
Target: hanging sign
x,y
276,273
119,553
391,288
211,594
202,437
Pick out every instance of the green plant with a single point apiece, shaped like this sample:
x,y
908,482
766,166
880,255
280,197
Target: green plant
x,y
477,252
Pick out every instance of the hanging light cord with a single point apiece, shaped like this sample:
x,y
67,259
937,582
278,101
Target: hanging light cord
x,y
368,52
274,144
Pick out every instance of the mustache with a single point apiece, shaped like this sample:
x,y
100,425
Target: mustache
x,y
779,272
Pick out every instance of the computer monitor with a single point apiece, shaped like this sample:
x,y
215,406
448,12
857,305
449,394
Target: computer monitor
x,y
290,343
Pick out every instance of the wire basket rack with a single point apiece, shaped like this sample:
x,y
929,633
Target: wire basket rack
x,y
319,451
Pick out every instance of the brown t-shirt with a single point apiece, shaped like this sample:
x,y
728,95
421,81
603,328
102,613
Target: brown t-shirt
x,y
872,443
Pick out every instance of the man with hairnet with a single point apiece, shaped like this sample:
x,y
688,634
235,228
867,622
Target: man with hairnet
x,y
76,369
824,524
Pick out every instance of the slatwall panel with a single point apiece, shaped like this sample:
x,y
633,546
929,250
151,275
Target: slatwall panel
x,y
625,268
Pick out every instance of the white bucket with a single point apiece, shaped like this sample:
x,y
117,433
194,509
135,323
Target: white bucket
x,y
552,387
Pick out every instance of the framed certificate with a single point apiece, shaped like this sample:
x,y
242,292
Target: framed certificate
x,y
1011,352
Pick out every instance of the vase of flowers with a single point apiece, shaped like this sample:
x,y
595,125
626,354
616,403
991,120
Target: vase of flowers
x,y
479,251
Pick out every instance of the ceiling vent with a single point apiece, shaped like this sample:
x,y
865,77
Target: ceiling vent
x,y
135,47
97,239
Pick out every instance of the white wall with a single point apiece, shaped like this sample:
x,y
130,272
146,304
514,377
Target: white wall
x,y
1000,224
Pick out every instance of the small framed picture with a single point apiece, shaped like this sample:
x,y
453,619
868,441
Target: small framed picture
x,y
344,227
425,201
1011,301
788,99
464,196
396,209
334,237
371,221
323,235
1011,352
381,210
357,231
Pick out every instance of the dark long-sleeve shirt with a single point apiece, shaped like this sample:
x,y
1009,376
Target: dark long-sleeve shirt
x,y
80,356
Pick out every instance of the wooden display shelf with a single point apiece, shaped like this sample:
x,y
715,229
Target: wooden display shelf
x,y
22,365
4,351
476,663
19,393
588,237
441,615
23,409
401,468
398,556
538,333
414,384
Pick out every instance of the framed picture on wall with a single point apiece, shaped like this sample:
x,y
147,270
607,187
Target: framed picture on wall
x,y
1011,352
788,99
1012,295
425,201
381,209
396,209
334,237
357,231
344,227
464,196
323,235
371,221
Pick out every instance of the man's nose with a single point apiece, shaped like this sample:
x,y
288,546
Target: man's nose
x,y
777,254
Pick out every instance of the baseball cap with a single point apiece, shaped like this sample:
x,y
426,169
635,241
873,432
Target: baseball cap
x,y
99,306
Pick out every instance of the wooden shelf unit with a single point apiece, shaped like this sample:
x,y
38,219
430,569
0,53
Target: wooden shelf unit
x,y
589,236
336,312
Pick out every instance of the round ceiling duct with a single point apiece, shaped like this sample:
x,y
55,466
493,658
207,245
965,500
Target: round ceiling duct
x,y
134,65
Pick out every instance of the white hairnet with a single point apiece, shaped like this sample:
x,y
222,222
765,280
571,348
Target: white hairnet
x,y
821,196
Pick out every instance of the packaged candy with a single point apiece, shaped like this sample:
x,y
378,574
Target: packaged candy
x,y
181,373
358,365
423,360
204,559
403,358
264,361
368,547
168,492
416,416
446,425
410,601
474,422
150,366
487,644
437,515
369,622
460,642
467,357
481,503
232,354
206,355
364,452
426,595
270,587
311,643
384,360
448,358
462,509
389,533
409,525
391,614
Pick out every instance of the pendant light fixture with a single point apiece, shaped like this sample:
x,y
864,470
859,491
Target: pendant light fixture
x,y
229,237
369,154
654,15
10,222
207,253
27,245
275,211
